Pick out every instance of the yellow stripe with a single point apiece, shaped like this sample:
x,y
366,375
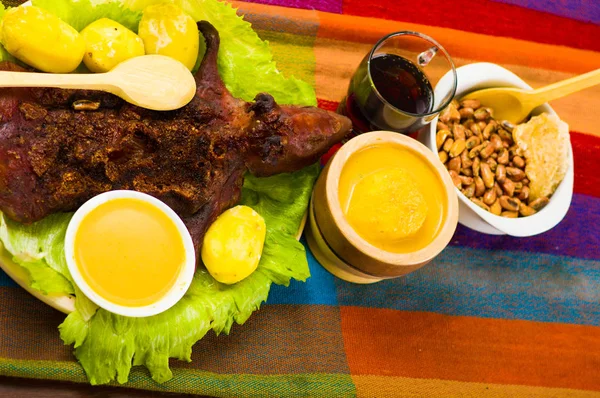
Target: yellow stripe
x,y
337,60
385,386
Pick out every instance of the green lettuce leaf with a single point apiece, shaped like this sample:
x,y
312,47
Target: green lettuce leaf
x,y
108,345
38,248
268,196
81,13
245,61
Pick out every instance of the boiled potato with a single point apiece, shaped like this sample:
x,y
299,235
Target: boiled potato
x,y
41,40
108,43
233,244
167,30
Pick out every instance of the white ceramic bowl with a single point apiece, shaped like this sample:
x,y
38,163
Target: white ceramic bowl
x,y
171,297
483,75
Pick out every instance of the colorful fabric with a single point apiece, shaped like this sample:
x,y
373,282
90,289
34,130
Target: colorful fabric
x,y
491,316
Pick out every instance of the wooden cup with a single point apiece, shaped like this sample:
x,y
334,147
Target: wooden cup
x,y
340,249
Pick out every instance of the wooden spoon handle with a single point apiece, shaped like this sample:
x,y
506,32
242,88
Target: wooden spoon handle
x,y
74,81
566,87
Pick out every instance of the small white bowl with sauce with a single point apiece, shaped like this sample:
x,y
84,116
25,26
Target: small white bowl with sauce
x,y
383,206
130,253
484,75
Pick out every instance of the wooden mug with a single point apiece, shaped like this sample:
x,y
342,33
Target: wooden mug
x,y
340,249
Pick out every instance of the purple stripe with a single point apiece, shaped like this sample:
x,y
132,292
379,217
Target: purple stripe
x,y
321,5
581,10
578,235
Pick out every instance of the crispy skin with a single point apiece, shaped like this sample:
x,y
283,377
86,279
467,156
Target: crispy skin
x,y
53,158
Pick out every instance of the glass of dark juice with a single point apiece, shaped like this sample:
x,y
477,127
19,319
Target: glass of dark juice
x,y
392,89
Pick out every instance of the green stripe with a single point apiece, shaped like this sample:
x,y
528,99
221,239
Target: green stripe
x,y
313,385
294,54
189,381
49,370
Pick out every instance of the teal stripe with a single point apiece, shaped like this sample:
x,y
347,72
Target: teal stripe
x,y
6,281
495,284
318,289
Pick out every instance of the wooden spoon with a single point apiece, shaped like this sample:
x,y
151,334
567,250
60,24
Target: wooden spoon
x,y
515,104
154,82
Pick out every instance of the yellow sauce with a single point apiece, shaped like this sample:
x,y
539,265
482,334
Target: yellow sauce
x,y
392,198
129,252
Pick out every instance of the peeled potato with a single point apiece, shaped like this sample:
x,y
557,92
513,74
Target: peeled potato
x,y
167,30
108,43
41,40
233,244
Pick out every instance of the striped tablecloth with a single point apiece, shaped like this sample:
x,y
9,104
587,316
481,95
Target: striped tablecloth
x,y
491,316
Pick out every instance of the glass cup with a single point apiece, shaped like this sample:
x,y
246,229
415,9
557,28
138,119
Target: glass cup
x,y
392,89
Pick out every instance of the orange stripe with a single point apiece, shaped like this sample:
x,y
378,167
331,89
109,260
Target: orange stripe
x,y
340,46
384,386
337,60
464,44
428,345
458,43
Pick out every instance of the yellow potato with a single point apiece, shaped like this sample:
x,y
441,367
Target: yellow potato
x,y
233,244
108,43
42,40
167,30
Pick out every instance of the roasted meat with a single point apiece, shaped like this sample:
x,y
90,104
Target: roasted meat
x,y
58,148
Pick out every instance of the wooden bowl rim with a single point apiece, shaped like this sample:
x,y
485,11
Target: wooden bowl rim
x,y
398,259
